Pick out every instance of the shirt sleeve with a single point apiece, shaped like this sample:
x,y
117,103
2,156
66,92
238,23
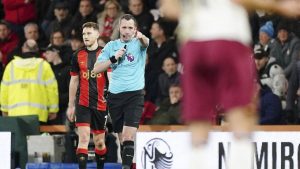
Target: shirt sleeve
x,y
74,70
105,53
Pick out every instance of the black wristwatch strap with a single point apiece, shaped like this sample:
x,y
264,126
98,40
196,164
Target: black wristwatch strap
x,y
113,59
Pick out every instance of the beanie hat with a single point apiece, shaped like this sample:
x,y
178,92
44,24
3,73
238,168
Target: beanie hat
x,y
283,25
267,28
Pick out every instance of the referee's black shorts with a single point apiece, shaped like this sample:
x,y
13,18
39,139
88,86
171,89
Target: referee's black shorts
x,y
125,109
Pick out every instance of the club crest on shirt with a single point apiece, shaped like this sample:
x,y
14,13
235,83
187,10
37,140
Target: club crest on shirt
x,y
130,57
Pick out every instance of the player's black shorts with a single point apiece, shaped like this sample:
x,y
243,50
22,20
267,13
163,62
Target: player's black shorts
x,y
96,119
125,109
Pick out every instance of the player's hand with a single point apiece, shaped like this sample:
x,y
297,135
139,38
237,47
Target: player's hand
x,y
289,8
71,113
139,35
52,116
120,53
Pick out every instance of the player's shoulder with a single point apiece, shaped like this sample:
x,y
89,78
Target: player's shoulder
x,y
83,49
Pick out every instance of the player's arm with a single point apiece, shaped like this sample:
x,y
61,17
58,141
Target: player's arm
x,y
289,8
105,60
74,82
170,9
143,39
101,66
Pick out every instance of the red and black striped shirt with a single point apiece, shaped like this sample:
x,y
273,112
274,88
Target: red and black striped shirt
x,y
90,91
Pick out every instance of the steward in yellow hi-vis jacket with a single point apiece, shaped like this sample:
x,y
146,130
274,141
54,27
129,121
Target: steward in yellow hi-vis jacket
x,y
29,87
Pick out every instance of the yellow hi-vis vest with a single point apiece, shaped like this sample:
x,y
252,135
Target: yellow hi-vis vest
x,y
29,87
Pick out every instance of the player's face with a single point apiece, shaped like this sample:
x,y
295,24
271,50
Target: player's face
x,y
127,29
89,36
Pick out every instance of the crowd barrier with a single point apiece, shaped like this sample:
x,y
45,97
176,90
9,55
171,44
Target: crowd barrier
x,y
152,128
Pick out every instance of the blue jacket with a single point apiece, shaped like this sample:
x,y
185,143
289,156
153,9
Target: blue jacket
x,y
270,107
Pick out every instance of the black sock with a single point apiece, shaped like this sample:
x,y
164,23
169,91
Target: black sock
x,y
121,149
82,160
100,156
127,154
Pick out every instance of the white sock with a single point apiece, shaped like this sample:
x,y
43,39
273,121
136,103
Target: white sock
x,y
200,158
241,154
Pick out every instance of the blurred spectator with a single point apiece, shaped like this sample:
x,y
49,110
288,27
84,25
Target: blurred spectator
x,y
31,31
108,20
270,110
76,43
269,71
169,111
62,75
8,42
160,48
286,48
62,20
23,78
103,40
266,33
18,13
57,38
84,14
49,13
169,77
144,17
1,11
41,7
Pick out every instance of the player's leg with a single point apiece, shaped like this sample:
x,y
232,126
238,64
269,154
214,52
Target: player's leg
x,y
133,109
115,102
198,99
241,122
199,156
128,136
83,117
237,84
98,126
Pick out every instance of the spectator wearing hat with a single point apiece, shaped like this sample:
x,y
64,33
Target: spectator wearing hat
x,y
62,75
266,33
62,20
269,71
286,48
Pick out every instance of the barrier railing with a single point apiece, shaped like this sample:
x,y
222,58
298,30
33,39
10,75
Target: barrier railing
x,y
148,128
